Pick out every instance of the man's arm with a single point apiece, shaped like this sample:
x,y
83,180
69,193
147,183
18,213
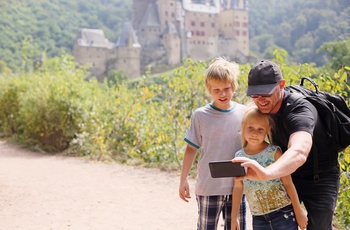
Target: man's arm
x,y
299,146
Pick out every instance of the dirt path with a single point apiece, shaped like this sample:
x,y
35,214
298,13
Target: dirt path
x,y
40,192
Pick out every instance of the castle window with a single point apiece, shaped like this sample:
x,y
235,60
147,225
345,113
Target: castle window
x,y
172,14
236,23
193,23
202,24
237,32
203,33
244,33
212,25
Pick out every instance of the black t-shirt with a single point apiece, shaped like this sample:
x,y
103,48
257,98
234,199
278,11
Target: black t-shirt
x,y
298,114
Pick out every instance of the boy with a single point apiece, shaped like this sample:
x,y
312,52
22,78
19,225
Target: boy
x,y
215,130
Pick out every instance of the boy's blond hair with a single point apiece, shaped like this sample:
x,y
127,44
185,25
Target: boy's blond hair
x,y
253,113
222,70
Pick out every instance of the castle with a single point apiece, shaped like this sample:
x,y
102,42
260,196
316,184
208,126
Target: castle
x,y
163,32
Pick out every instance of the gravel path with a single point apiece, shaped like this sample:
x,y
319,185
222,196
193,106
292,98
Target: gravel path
x,y
42,192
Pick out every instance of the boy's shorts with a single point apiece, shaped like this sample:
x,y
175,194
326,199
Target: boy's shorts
x,y
210,207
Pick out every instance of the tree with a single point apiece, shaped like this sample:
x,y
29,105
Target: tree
x,y
337,52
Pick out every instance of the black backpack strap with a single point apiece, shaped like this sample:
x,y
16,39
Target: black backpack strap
x,y
315,156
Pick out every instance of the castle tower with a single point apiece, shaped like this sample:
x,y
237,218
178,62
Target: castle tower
x,y
128,52
149,30
172,44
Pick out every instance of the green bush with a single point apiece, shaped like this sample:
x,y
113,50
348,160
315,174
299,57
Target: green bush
x,y
10,107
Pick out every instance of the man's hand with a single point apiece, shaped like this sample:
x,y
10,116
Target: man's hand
x,y
254,170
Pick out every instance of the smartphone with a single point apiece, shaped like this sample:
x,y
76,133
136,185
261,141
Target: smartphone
x,y
226,168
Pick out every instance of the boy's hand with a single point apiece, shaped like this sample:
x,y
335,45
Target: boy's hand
x,y
184,190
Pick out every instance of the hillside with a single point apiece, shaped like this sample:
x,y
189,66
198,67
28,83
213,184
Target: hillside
x,y
30,27
299,26
33,27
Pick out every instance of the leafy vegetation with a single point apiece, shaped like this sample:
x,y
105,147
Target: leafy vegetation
x,y
142,123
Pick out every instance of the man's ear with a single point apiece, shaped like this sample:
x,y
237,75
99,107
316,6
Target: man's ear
x,y
282,83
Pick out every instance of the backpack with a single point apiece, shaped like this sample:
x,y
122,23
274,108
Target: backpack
x,y
331,108
333,111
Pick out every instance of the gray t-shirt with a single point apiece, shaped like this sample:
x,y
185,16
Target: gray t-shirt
x,y
217,133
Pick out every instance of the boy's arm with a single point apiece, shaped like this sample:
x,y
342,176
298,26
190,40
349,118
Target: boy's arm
x,y
287,181
237,194
189,156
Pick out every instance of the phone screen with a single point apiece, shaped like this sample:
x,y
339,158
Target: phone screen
x,y
220,169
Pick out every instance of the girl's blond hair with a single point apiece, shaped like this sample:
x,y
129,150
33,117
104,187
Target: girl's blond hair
x,y
222,70
251,113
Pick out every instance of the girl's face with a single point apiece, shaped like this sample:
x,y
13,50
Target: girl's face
x,y
221,93
255,131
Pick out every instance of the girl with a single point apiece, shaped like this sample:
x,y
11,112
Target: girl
x,y
271,202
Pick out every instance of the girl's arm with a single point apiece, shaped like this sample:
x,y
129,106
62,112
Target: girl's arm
x,y
287,181
237,194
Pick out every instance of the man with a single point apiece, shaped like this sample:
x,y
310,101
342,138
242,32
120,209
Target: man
x,y
308,153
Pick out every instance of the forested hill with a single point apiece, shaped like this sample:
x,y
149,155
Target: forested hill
x,y
299,26
52,25
30,27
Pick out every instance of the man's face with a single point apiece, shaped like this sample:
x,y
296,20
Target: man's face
x,y
270,103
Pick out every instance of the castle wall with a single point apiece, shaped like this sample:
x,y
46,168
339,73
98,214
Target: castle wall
x,y
202,36
129,61
95,57
149,36
234,25
172,45
167,12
